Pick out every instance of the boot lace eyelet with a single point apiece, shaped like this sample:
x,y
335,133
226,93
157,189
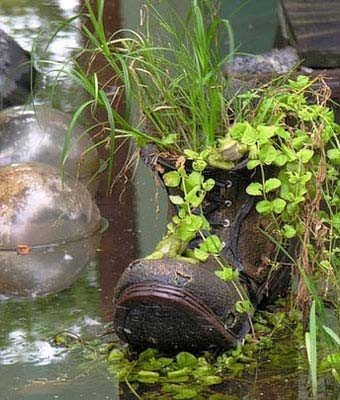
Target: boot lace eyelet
x,y
228,203
226,223
228,184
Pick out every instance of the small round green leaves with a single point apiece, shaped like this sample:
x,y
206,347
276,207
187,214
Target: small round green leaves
x,y
172,179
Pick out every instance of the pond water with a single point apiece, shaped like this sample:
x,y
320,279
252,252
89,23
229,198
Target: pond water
x,y
31,367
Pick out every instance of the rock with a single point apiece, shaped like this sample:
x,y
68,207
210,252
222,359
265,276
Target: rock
x,y
37,133
276,61
17,75
48,229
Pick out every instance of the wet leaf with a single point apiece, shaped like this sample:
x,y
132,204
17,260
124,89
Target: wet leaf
x,y
289,231
186,393
271,184
267,154
254,189
116,356
199,165
172,179
227,274
334,156
264,207
279,205
211,380
305,155
201,255
177,200
147,376
185,359
253,164
208,185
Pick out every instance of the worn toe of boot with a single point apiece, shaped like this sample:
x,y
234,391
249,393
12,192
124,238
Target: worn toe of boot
x,y
170,305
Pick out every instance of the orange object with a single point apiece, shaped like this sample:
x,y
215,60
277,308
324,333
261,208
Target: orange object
x,y
23,249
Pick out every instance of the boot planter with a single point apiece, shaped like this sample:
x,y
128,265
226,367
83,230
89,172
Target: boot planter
x,y
172,304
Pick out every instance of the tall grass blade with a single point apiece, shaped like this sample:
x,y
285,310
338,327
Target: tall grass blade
x,y
311,346
67,141
112,136
332,334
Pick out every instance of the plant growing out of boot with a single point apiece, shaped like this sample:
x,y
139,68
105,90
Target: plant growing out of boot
x,y
253,177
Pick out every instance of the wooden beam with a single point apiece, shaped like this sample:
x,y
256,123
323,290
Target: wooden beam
x,y
313,27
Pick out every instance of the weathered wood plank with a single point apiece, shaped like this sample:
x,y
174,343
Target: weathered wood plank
x,y
313,28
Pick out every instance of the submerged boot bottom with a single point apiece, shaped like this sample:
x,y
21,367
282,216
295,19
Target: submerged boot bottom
x,y
172,314
168,318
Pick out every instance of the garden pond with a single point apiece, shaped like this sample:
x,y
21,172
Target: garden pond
x,y
32,366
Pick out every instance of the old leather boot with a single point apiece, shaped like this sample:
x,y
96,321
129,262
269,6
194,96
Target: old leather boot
x,y
174,305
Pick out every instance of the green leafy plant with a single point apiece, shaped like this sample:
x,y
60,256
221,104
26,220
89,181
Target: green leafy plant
x,y
188,376
181,102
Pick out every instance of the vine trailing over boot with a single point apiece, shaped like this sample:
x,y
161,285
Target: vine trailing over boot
x,y
253,177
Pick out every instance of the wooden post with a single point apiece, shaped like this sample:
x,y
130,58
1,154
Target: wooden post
x,y
313,28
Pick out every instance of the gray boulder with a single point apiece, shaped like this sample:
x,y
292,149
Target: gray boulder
x,y
17,75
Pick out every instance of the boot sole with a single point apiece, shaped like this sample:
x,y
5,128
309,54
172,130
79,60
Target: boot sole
x,y
169,318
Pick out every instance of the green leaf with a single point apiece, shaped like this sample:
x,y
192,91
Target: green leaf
x,y
300,141
185,359
249,136
195,197
227,274
265,133
291,155
289,231
172,179
336,221
115,356
334,155
280,160
147,354
177,200
201,255
169,139
282,133
305,155
253,164
267,154
279,205
186,393
193,180
208,185
333,335
264,207
212,244
244,306
271,184
254,189
301,82
147,376
193,222
237,131
191,155
211,380
199,165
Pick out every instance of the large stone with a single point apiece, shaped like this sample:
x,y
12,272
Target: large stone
x,y
37,133
17,74
48,229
